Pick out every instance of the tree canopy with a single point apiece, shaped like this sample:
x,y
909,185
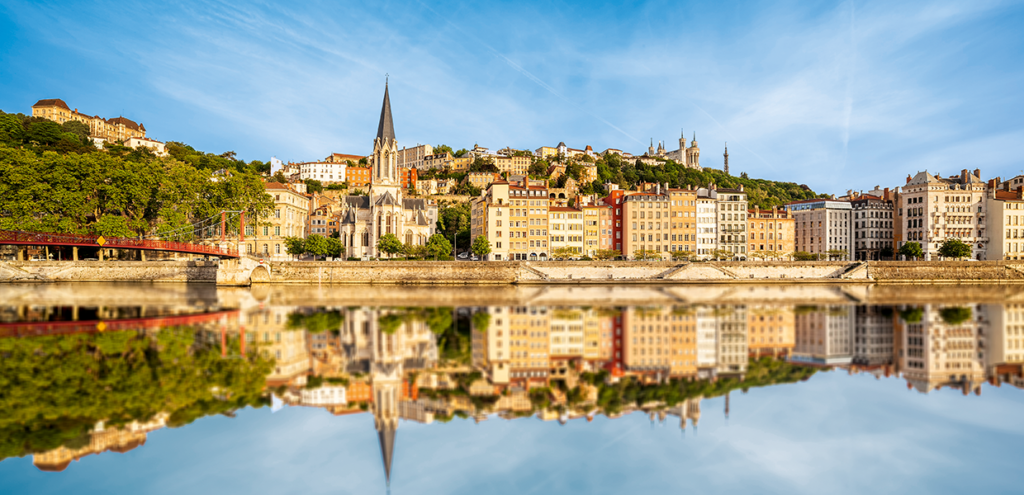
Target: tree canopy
x,y
71,187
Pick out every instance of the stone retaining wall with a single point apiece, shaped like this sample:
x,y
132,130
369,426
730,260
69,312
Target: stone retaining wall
x,y
108,271
244,272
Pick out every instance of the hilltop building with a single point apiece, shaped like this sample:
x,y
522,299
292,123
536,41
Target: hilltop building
x,y
115,129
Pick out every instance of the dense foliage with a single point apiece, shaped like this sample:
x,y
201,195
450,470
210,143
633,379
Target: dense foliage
x,y
68,186
53,390
628,392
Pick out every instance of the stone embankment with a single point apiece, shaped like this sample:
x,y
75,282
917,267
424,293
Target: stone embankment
x,y
247,271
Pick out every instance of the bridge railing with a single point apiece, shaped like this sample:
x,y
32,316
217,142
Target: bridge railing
x,y
45,238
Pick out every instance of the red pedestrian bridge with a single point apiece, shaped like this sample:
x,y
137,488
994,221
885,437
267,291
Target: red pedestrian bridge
x,y
48,328
19,238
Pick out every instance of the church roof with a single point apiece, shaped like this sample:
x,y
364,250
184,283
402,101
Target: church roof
x,y
350,216
386,199
386,128
414,203
358,201
421,218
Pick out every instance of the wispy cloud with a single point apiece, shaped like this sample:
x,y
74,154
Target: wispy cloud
x,y
832,95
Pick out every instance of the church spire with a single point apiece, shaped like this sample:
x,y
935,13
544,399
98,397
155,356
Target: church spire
x,y
386,128
387,449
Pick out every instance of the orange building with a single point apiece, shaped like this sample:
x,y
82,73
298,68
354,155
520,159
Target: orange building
x,y
771,330
357,176
409,177
772,233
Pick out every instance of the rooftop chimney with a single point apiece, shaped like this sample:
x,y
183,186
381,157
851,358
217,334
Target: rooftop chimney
x,y
977,172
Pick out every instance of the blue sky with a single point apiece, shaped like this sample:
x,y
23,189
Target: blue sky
x,y
833,434
836,95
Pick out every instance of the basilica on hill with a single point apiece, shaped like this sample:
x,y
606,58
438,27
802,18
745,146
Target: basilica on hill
x,y
384,210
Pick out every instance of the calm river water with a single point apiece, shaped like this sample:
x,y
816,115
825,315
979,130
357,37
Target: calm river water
x,y
722,388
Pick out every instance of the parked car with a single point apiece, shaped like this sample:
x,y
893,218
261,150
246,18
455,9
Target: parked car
x,y
463,256
475,258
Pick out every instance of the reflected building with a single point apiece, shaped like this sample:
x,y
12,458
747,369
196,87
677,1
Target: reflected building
x,y
101,439
873,336
944,346
771,330
732,340
660,341
1006,355
824,335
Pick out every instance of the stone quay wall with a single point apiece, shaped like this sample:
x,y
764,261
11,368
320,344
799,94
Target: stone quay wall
x,y
245,272
108,271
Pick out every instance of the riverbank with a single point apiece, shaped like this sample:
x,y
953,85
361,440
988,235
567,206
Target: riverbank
x,y
246,271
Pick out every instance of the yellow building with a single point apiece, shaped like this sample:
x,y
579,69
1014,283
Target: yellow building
x,y
115,129
771,330
545,152
772,233
529,343
291,211
660,339
514,218
683,215
646,225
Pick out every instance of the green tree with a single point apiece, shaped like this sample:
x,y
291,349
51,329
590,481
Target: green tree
x,y
607,254
956,315
443,148
911,250
538,169
454,219
44,132
912,314
722,254
334,247
317,245
836,254
955,248
314,186
886,252
804,256
438,247
295,246
112,226
647,254
481,321
481,246
390,244
77,128
563,253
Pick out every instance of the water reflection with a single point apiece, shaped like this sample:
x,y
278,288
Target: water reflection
x,y
82,378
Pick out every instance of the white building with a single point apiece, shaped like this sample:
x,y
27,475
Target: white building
x,y
824,226
707,222
325,172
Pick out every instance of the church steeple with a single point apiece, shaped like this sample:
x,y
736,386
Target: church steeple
x,y
387,450
385,150
386,128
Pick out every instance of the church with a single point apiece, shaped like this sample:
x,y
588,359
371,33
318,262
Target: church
x,y
385,210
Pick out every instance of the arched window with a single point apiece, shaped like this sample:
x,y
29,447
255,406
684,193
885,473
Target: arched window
x,y
408,237
266,249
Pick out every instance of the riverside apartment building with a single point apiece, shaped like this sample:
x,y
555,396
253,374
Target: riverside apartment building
x,y
514,218
824,226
